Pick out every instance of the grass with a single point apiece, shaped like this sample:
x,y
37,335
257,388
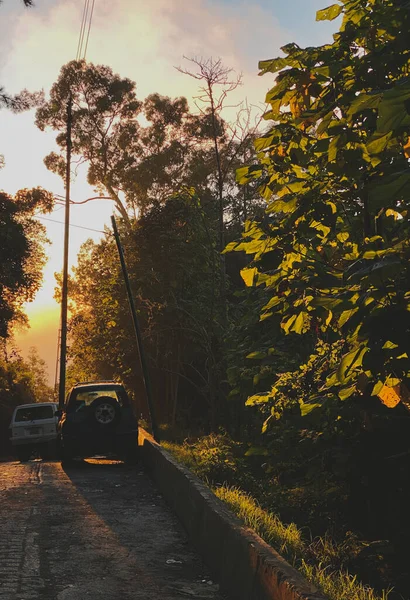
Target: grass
x,y
288,541
315,560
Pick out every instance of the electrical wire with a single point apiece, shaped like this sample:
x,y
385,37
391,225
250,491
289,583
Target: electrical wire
x,y
82,29
85,29
89,27
71,224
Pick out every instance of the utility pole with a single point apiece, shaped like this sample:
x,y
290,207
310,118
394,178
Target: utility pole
x,y
144,365
64,289
57,363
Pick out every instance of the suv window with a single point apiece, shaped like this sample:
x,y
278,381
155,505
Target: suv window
x,y
83,397
34,413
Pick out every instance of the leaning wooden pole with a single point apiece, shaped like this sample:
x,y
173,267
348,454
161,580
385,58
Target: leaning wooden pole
x,y
64,288
143,361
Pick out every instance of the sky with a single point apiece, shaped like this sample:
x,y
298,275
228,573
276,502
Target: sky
x,y
140,40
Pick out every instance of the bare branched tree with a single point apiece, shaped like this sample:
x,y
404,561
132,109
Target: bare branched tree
x,y
218,82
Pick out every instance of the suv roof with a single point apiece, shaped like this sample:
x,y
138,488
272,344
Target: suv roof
x,y
97,383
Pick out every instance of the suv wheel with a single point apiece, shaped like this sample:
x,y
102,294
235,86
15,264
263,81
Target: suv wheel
x,y
105,411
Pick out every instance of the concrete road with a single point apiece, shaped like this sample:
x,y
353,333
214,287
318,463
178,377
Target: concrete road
x,y
99,530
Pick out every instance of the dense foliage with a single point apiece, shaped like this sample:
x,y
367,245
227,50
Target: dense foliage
x,y
22,240
332,255
172,259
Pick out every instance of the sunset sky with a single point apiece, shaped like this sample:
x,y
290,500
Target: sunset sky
x,y
139,40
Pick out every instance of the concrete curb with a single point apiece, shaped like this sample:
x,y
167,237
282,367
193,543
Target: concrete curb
x,y
247,567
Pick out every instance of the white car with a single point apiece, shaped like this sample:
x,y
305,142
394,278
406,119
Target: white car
x,y
34,428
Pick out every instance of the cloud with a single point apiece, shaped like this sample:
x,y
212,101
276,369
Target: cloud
x,y
142,40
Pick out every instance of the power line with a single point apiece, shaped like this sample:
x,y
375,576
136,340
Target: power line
x,y
89,27
82,29
86,21
71,224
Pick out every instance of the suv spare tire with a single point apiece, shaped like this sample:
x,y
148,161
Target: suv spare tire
x,y
104,412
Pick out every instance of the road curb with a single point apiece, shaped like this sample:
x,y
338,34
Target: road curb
x,y
244,564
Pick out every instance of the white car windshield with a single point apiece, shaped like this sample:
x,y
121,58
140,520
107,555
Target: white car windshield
x,y
34,413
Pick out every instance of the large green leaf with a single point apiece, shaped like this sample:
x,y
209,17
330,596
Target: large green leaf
x,y
273,65
393,109
249,275
386,267
330,13
258,399
363,102
346,392
378,142
306,408
385,191
246,174
349,363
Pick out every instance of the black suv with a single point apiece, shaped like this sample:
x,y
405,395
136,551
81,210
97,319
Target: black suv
x,y
98,419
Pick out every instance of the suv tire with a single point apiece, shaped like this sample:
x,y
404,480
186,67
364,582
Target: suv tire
x,y
104,412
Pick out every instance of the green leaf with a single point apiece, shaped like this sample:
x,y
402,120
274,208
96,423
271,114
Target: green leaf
x,y
346,392
306,408
349,363
266,424
272,302
377,388
256,355
392,381
300,320
273,65
388,189
288,324
246,174
346,315
258,399
231,247
327,302
390,346
234,392
363,102
284,206
393,110
378,143
264,142
257,450
330,13
249,276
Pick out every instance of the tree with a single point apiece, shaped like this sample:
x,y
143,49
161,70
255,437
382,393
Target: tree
x,y
104,122
218,82
334,171
22,381
25,100
131,164
22,240
171,256
37,368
